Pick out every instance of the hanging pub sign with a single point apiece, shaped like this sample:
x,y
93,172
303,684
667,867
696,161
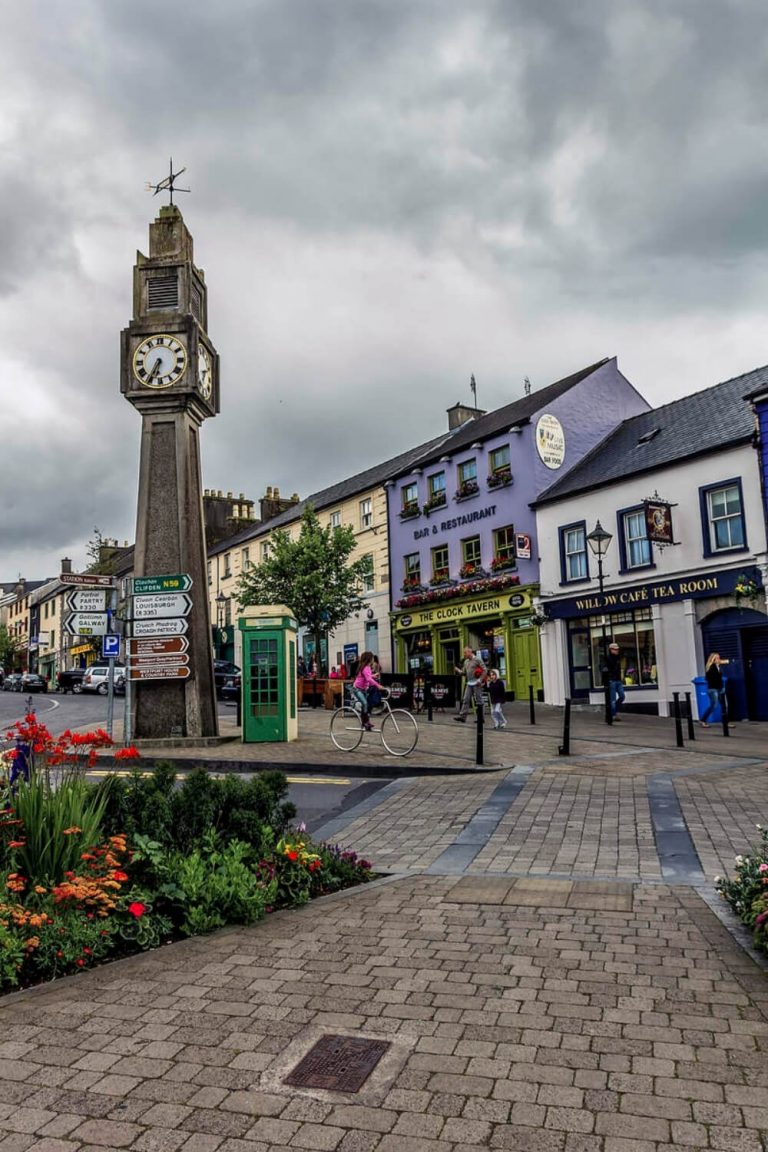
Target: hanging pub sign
x,y
658,521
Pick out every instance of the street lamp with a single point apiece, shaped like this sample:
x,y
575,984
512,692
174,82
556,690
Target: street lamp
x,y
599,541
221,604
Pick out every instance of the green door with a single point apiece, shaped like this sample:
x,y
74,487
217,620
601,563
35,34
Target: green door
x,y
264,678
526,666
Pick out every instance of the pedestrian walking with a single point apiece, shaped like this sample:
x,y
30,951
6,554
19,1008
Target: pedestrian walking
x,y
475,673
714,677
615,679
497,691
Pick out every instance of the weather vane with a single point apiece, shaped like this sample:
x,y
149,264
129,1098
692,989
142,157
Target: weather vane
x,y
167,185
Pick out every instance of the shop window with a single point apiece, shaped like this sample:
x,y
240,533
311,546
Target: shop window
x,y
573,553
368,573
470,556
335,519
466,476
634,545
409,494
366,513
722,513
633,632
503,548
412,563
436,490
440,564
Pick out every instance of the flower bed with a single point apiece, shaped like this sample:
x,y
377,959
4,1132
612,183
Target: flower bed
x,y
492,584
90,872
747,892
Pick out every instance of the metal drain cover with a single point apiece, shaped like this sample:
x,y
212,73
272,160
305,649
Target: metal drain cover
x,y
338,1064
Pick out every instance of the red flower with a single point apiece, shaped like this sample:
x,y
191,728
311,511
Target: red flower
x,y
87,952
80,963
292,855
137,909
17,843
121,876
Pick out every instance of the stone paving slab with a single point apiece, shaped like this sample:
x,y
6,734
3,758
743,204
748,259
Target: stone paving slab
x,y
539,1028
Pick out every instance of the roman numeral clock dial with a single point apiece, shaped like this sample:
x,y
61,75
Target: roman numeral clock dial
x,y
159,361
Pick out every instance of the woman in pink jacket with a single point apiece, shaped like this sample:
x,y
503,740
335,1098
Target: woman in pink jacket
x,y
362,682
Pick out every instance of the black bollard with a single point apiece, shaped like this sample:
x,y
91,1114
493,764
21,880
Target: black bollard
x,y
479,737
565,747
689,717
531,706
724,713
678,719
428,695
239,709
607,700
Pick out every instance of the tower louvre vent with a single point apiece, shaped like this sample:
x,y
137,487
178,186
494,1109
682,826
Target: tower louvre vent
x,y
197,304
163,291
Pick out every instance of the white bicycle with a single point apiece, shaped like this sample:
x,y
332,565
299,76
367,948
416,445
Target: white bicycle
x,y
399,731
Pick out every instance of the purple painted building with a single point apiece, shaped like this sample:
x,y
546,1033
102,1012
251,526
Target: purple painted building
x,y
462,536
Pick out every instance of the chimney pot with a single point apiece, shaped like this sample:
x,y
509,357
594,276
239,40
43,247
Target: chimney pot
x,y
229,495
66,564
242,496
277,493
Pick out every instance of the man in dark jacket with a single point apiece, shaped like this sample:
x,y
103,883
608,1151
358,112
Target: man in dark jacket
x,y
615,679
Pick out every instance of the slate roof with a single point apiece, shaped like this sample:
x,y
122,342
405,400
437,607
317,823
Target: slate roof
x,y
708,421
328,497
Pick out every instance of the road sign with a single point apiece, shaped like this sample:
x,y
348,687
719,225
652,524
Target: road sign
x,y
87,580
87,600
159,672
161,627
177,660
161,646
160,605
144,585
110,645
87,624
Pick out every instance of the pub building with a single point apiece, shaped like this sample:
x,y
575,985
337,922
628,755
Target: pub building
x,y
464,555
657,540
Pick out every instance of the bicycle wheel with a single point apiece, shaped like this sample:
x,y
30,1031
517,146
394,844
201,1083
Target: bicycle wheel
x,y
399,732
346,729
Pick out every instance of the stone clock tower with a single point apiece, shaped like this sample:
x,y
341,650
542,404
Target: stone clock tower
x,y
169,371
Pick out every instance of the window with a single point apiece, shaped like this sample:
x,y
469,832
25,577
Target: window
x,y
410,497
412,564
499,460
335,520
440,564
723,518
573,552
227,565
503,548
210,574
245,559
368,574
470,551
635,545
436,489
633,632
264,550
366,513
467,478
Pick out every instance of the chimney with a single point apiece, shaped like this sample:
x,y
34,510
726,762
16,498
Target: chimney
x,y
66,564
460,414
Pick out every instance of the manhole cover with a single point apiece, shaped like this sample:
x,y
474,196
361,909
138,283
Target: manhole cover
x,y
338,1064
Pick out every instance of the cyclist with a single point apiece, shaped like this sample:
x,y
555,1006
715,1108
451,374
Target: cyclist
x,y
361,685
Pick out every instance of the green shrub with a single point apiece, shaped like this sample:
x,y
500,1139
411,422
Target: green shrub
x,y
747,892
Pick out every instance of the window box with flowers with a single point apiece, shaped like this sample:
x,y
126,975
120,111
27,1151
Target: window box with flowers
x,y
412,584
410,510
451,590
436,501
471,571
500,479
747,589
440,578
466,489
502,563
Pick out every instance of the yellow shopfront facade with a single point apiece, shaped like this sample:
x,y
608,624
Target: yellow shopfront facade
x,y
499,625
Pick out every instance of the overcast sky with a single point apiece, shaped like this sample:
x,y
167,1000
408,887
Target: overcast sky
x,y
387,196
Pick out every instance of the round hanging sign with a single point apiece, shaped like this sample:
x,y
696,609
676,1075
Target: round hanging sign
x,y
550,441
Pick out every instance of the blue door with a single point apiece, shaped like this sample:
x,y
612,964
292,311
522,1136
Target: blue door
x,y
756,667
740,635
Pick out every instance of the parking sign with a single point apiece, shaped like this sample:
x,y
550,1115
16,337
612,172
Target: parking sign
x,y
110,645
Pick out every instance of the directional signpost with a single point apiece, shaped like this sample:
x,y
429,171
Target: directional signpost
x,y
86,580
87,600
161,604
87,624
164,646
144,585
160,627
158,648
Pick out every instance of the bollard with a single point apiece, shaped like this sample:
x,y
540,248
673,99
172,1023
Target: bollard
x,y
565,747
428,695
607,700
678,719
479,735
531,706
689,715
724,713
239,709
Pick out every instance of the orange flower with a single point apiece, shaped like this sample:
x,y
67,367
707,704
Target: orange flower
x,y
71,831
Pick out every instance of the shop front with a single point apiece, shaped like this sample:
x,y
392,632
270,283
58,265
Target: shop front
x,y
499,626
664,631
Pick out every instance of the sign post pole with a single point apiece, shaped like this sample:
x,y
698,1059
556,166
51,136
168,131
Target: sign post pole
x,y
111,683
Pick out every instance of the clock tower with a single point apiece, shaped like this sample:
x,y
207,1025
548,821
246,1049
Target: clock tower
x,y
169,371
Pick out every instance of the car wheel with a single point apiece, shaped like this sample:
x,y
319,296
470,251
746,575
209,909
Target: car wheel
x,y
102,689
76,689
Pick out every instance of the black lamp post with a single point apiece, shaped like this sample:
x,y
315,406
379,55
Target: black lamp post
x,y
221,603
599,541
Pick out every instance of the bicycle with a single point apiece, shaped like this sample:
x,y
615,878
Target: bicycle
x,y
399,731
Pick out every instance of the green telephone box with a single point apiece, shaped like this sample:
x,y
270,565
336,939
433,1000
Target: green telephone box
x,y
268,635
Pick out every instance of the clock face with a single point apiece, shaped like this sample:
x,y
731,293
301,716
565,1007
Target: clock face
x,y
159,361
204,372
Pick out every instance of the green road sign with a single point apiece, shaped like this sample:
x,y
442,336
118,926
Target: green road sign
x,y
149,585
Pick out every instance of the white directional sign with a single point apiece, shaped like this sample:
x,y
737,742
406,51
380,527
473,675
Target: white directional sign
x,y
87,624
161,627
87,600
160,605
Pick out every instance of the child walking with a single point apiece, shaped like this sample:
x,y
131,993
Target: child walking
x,y
498,694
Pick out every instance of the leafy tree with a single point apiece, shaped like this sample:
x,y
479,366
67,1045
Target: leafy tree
x,y
10,652
312,575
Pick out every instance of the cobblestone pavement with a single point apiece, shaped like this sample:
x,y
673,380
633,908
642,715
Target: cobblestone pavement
x,y
538,981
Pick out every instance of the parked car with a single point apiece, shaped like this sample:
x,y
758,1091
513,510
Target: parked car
x,y
12,682
96,678
70,680
223,670
32,682
230,689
